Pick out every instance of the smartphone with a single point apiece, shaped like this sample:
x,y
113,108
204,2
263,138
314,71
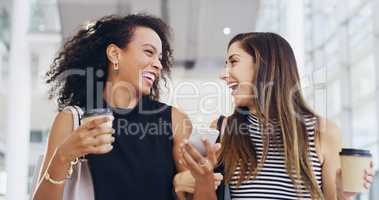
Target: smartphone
x,y
198,133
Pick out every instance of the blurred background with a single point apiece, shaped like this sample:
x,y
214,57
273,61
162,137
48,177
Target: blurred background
x,y
336,43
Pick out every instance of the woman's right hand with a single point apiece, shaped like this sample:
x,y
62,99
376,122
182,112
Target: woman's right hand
x,y
89,138
200,167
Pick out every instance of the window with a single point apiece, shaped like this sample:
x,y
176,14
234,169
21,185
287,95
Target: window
x,y
36,136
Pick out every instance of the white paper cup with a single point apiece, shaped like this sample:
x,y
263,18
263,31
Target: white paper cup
x,y
353,164
98,113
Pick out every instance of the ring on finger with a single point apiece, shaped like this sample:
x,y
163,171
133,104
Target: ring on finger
x,y
203,162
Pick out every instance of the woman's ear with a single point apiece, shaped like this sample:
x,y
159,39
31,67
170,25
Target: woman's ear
x,y
113,53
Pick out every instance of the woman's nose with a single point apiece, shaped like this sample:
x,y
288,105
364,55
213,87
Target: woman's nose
x,y
225,74
157,65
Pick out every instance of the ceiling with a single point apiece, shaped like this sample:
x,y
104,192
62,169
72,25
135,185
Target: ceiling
x,y
198,25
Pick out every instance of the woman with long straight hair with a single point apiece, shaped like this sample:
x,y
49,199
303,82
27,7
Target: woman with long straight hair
x,y
274,146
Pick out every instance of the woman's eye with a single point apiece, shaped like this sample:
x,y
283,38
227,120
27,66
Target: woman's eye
x,y
149,52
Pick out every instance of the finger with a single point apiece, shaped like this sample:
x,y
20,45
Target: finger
x,y
366,186
103,139
101,131
211,153
193,166
369,172
184,189
180,155
98,121
180,195
193,152
100,149
184,163
181,160
218,176
368,179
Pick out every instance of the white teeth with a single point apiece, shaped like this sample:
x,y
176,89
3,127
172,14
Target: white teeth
x,y
149,75
232,85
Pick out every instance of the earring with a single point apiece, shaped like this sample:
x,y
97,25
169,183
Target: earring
x,y
115,68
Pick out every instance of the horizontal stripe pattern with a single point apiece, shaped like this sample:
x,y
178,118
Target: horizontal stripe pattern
x,y
273,180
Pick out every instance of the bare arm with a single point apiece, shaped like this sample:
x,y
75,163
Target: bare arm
x,y
330,148
63,146
61,128
182,129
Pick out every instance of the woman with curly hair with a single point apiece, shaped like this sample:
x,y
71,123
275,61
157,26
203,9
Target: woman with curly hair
x,y
116,62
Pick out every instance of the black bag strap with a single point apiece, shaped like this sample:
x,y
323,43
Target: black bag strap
x,y
220,120
222,191
78,114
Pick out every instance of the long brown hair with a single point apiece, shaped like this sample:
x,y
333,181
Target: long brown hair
x,y
278,97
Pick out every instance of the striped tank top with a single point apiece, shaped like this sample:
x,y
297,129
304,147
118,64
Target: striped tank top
x,y
273,180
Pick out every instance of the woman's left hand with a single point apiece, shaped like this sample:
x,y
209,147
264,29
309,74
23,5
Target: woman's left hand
x,y
368,178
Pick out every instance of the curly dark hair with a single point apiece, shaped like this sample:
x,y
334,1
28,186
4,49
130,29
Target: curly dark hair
x,y
84,57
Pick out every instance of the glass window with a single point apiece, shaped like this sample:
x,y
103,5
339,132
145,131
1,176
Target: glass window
x,y
364,125
363,80
333,106
36,136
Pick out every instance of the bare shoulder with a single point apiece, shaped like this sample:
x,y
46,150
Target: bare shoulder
x,y
328,128
330,135
61,128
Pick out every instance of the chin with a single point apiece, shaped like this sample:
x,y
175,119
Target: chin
x,y
145,91
241,102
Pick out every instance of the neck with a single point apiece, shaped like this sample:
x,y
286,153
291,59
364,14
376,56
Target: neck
x,y
118,96
253,109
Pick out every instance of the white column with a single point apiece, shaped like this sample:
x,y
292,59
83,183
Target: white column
x,y
375,17
295,30
346,82
18,109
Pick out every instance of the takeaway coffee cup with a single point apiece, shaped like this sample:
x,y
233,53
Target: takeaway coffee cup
x,y
98,113
353,164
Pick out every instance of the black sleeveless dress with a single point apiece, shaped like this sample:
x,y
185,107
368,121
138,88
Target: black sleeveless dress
x,y
141,164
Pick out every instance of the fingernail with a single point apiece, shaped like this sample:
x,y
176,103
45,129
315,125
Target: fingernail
x,y
185,141
217,146
180,162
203,139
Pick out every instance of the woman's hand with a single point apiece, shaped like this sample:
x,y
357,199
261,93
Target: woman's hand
x,y
201,167
185,182
368,178
89,138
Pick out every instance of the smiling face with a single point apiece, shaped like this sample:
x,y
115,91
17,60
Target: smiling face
x,y
140,62
239,75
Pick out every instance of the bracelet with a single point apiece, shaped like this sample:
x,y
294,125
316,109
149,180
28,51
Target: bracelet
x,y
55,182
71,169
69,173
